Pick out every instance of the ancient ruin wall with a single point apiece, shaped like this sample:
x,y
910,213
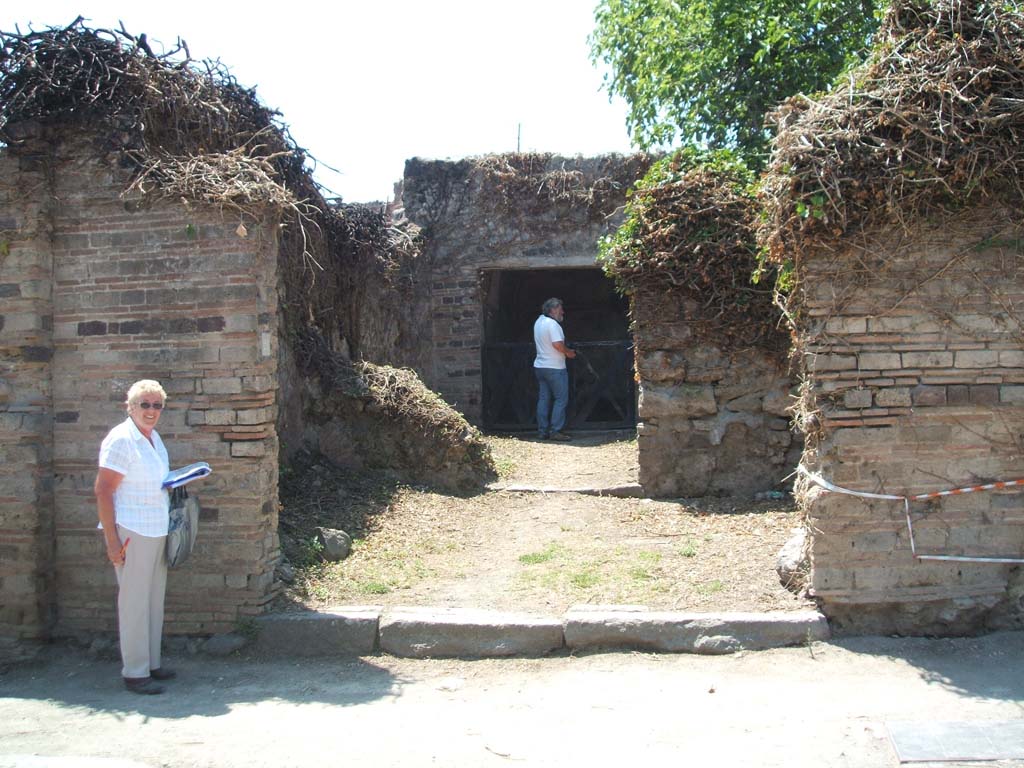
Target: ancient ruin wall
x,y
502,212
168,292
914,356
712,420
26,398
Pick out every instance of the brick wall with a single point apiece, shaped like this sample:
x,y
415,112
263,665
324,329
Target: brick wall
x,y
915,383
166,292
26,398
713,420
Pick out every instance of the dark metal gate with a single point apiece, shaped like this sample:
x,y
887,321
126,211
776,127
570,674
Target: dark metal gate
x,y
602,392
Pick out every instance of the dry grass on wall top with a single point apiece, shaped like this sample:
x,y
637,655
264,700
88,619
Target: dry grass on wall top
x,y
533,183
185,127
189,132
689,237
930,123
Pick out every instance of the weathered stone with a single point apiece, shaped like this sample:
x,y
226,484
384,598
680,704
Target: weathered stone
x,y
928,395
793,562
684,400
678,632
337,631
778,402
878,361
337,545
661,365
893,397
428,632
858,398
225,644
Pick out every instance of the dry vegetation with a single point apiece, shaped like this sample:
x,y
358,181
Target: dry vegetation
x,y
932,121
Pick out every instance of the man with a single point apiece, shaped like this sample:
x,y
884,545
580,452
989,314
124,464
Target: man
x,y
549,368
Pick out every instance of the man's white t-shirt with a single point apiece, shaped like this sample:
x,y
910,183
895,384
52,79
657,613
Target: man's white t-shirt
x,y
546,331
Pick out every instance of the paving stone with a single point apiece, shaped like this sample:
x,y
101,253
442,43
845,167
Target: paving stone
x,y
672,631
339,631
432,632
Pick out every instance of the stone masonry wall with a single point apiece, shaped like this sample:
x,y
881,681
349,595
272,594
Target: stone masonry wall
x,y
26,398
713,421
914,364
470,226
166,292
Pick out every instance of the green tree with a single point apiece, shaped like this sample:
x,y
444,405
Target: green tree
x,y
708,71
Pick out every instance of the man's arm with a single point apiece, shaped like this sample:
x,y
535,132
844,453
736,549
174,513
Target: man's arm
x,y
560,346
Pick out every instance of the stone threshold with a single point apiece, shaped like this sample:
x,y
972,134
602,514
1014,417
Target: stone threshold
x,y
473,633
624,491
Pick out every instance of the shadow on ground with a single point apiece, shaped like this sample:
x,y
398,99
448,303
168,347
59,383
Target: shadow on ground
x,y
205,687
985,667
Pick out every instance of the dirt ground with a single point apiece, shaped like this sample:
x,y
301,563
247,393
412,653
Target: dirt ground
x,y
534,551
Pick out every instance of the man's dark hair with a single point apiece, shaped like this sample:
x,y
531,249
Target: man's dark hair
x,y
549,305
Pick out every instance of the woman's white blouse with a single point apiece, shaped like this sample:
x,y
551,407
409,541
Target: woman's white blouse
x,y
140,502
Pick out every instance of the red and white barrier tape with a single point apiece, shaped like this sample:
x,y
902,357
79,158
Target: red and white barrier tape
x,y
819,480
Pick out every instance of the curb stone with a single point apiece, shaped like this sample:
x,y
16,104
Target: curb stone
x,y
625,491
463,632
351,630
633,627
424,632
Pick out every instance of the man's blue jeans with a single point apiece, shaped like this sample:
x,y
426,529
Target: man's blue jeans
x,y
552,384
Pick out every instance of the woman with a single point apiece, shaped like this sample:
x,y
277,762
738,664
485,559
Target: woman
x,y
133,511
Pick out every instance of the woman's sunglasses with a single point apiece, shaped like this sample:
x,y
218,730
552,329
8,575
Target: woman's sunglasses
x,y
155,406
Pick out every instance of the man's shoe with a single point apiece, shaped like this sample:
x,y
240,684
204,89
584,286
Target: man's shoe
x,y
560,437
145,686
162,673
542,435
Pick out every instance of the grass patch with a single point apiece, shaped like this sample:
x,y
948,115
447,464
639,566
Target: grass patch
x,y
689,549
639,573
550,552
709,587
585,579
505,468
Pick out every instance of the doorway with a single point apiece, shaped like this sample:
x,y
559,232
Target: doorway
x,y
602,391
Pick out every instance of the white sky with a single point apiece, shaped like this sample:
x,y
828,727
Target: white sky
x,y
365,84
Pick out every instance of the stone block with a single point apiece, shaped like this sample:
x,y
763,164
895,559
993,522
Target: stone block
x,y
778,402
958,394
221,417
879,361
591,627
925,395
820,363
1011,393
253,449
977,358
932,359
684,400
435,632
984,394
894,397
255,416
661,365
334,632
231,385
846,325
857,398
1011,358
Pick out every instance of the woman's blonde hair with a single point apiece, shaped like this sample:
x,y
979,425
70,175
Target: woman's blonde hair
x,y
144,387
